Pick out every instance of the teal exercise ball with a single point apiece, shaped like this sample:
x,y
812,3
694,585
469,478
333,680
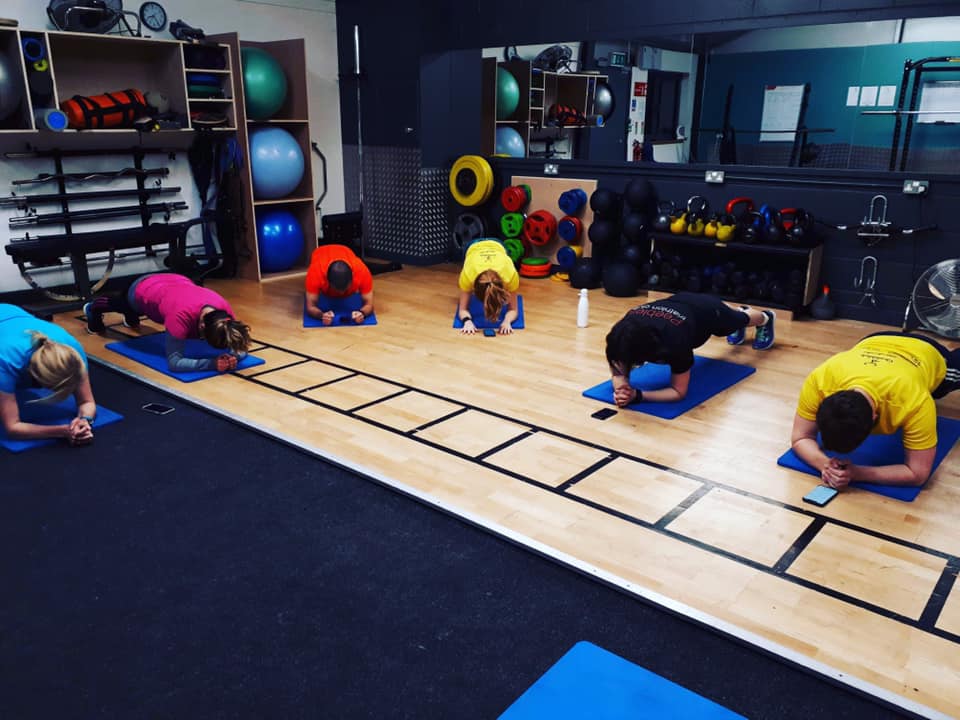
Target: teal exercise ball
x,y
508,94
509,143
264,83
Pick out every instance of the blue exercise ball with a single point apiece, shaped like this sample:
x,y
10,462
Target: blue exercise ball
x,y
509,143
276,163
279,240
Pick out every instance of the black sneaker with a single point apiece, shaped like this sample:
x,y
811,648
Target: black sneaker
x,y
131,321
95,324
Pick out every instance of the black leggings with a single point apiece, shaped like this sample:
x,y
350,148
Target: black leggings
x,y
951,381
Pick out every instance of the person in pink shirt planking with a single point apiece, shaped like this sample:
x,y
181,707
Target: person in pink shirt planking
x,y
186,310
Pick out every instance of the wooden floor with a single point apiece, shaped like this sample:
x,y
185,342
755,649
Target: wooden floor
x,y
693,513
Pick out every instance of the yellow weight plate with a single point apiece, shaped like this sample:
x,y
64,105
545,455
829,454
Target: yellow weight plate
x,y
483,177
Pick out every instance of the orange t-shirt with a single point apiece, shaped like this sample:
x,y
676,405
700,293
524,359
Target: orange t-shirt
x,y
320,261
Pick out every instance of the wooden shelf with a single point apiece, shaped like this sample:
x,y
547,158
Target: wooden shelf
x,y
283,201
293,116
735,246
781,259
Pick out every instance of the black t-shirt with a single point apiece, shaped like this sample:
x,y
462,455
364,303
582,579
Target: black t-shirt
x,y
683,323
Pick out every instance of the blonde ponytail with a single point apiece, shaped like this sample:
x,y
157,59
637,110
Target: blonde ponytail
x,y
55,366
488,289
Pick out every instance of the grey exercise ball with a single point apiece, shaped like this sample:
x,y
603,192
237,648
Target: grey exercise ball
x,y
11,88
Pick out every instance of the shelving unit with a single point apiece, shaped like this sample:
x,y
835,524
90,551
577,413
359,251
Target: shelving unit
x,y
293,116
90,64
539,91
780,259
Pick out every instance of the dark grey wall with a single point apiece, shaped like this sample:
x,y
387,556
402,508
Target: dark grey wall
x,y
426,45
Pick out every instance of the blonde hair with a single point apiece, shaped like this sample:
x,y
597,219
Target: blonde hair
x,y
488,288
225,333
55,366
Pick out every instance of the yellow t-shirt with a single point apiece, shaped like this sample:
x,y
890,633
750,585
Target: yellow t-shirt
x,y
898,372
488,255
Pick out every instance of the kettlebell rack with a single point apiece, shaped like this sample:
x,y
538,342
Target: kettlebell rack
x,y
31,252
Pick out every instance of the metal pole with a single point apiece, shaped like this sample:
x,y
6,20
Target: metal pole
x,y
356,74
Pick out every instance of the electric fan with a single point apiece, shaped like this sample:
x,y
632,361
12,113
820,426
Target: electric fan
x,y
935,299
91,16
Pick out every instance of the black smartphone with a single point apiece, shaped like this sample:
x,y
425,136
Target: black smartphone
x,y
489,332
820,495
603,413
157,409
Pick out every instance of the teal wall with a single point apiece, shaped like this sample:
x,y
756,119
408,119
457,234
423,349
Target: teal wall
x,y
829,72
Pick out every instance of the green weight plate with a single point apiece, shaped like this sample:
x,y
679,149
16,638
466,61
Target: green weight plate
x,y
514,248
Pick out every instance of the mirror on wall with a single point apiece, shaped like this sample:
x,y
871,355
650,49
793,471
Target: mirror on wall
x,y
824,96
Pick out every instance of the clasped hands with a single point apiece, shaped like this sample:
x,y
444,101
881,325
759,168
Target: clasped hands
x,y
80,432
329,316
836,473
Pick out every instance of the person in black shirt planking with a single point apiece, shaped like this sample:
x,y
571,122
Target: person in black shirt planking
x,y
668,331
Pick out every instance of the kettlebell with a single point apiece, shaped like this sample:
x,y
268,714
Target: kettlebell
x,y
710,229
697,209
726,227
665,212
823,308
678,224
800,231
745,201
773,227
749,226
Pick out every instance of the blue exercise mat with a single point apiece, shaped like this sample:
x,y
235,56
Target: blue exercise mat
x,y
590,682
707,378
342,307
884,450
60,413
475,307
150,350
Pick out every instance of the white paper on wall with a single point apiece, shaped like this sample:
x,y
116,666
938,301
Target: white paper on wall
x,y
781,112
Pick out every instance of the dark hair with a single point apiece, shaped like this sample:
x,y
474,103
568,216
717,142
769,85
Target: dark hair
x,y
632,342
339,275
844,420
224,333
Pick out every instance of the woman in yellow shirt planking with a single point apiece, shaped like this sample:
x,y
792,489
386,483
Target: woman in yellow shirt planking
x,y
887,382
488,274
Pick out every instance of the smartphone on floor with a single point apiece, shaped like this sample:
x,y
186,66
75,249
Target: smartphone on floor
x,y
820,495
157,408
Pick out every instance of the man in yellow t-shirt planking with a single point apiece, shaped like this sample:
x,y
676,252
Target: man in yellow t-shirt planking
x,y
887,382
488,274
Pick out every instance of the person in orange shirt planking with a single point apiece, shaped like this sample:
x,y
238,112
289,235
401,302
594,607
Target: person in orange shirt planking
x,y
335,271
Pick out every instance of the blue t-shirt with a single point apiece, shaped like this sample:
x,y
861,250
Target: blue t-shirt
x,y
16,346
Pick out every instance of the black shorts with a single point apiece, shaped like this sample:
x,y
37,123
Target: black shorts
x,y
712,314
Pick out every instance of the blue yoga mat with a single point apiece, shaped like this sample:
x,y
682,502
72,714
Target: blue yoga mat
x,y
150,350
42,414
342,307
590,682
885,450
476,312
707,378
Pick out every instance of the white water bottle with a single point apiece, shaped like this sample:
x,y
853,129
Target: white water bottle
x,y
583,308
